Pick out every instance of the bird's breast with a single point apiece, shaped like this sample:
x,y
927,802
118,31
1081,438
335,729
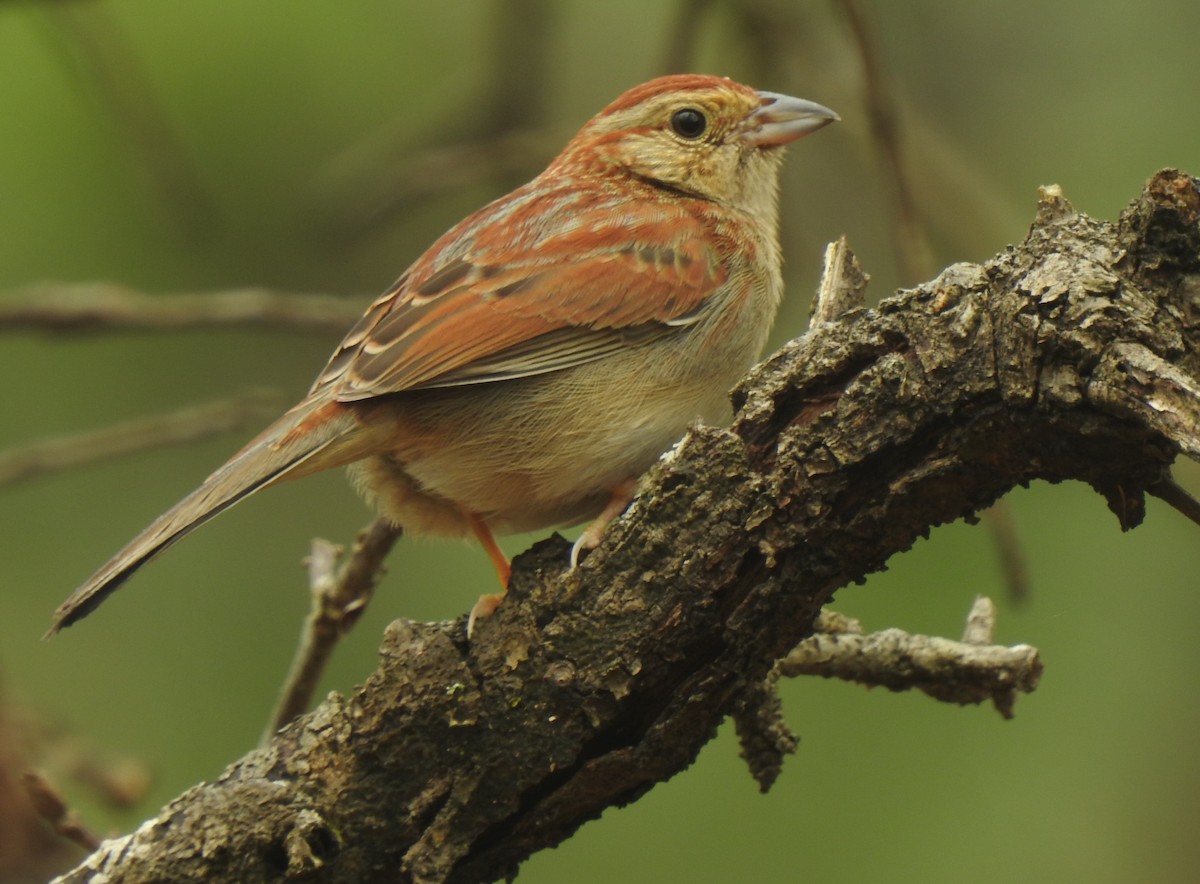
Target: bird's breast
x,y
545,451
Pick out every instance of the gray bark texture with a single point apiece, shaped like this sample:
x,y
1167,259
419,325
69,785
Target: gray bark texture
x,y
1074,355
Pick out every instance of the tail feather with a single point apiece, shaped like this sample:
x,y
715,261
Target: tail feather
x,y
303,441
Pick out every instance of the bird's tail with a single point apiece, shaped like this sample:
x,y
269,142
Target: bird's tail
x,y
310,437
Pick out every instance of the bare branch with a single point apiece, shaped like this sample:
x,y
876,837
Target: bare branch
x,y
363,190
104,306
683,35
981,622
843,284
964,672
1002,527
358,195
106,65
51,806
763,733
339,598
912,243
1170,493
175,428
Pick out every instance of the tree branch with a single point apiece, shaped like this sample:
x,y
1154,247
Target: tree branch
x,y
339,596
104,306
119,440
964,672
1074,355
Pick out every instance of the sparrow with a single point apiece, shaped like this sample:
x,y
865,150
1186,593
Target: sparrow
x,y
542,354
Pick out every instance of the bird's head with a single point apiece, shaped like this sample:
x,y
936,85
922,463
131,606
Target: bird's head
x,y
704,136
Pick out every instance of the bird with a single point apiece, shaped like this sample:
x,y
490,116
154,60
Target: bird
x,y
536,360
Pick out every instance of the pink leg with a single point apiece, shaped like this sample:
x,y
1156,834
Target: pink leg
x,y
590,538
488,603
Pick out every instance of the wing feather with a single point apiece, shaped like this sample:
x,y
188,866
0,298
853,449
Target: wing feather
x,y
530,287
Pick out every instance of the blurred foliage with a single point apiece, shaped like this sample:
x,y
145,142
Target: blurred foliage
x,y
308,147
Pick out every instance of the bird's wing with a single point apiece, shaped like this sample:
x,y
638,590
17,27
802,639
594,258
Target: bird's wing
x,y
525,289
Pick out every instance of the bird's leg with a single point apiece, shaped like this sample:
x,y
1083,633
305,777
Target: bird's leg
x,y
489,602
590,538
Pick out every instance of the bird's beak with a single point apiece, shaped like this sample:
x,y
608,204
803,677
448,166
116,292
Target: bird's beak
x,y
782,119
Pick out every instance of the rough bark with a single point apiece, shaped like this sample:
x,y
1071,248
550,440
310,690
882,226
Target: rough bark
x,y
1071,356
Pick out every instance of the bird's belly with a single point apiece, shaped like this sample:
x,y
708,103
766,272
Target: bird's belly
x,y
534,453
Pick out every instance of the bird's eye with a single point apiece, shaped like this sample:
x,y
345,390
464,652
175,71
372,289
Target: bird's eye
x,y
689,123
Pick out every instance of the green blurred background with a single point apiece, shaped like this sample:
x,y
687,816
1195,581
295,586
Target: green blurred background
x,y
289,127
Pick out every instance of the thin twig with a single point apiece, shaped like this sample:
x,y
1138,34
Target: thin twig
x,y
1171,493
1002,528
780,40
174,428
60,753
339,598
912,244
53,808
962,672
763,732
843,284
683,35
521,67
365,189
981,622
103,306
361,192
106,64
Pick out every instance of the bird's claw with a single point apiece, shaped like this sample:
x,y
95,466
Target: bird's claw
x,y
485,606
